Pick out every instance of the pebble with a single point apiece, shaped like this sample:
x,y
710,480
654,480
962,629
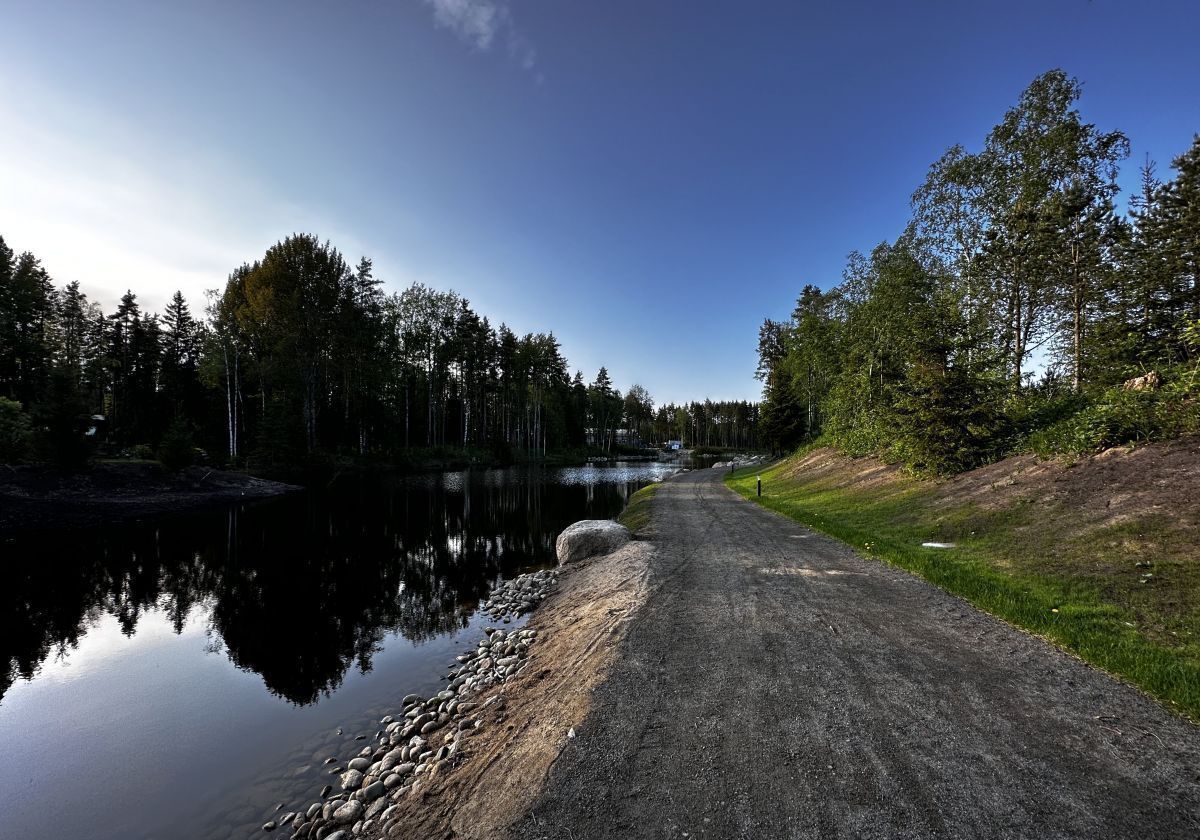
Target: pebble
x,y
375,808
348,813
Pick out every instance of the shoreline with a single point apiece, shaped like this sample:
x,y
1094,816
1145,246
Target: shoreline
x,y
39,498
466,761
36,499
536,716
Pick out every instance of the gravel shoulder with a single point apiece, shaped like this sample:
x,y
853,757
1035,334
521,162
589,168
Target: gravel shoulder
x,y
776,684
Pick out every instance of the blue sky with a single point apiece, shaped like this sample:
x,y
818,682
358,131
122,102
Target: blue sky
x,y
649,180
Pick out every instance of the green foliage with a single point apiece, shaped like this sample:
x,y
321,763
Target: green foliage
x,y
15,436
1117,416
177,449
947,422
62,420
1015,254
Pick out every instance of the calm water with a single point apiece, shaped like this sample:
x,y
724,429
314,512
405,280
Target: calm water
x,y
181,678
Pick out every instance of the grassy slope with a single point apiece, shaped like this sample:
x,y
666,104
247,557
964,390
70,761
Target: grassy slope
x,y
636,515
1079,590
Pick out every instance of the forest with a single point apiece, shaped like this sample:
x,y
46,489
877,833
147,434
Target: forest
x,y
1019,310
302,358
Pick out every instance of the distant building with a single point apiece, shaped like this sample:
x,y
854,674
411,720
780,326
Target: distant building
x,y
674,444
622,437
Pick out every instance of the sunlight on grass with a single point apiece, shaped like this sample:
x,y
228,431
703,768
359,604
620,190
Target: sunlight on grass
x,y
636,515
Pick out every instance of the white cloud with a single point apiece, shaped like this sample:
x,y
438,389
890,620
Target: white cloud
x,y
482,23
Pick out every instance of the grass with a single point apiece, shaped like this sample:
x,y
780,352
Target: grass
x,y
1082,592
636,515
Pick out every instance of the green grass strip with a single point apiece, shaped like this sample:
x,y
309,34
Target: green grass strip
x,y
636,515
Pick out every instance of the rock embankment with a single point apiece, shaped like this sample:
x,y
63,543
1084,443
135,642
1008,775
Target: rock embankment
x,y
429,734
739,461
519,595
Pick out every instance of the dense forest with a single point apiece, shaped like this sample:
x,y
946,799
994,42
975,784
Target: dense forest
x,y
303,357
1018,311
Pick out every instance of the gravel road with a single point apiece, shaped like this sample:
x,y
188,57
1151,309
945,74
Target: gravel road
x,y
777,685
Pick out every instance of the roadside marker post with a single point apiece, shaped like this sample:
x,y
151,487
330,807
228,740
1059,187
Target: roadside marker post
x,y
760,485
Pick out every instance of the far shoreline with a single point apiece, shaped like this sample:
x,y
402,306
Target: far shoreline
x,y
37,499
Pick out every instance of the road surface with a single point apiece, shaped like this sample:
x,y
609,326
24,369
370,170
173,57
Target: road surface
x,y
776,685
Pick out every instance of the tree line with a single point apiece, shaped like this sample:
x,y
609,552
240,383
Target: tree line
x,y
1010,310
301,356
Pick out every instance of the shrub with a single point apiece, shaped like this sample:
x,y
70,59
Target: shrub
x,y
177,448
15,436
1116,417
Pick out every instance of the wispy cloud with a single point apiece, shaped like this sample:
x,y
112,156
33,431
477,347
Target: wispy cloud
x,y
484,23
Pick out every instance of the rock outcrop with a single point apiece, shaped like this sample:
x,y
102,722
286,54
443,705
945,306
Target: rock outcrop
x,y
1147,382
590,537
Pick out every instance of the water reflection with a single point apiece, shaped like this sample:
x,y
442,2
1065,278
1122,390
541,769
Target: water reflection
x,y
302,589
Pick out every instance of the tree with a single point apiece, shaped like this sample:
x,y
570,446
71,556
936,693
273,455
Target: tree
x,y
27,308
601,399
1181,226
182,339
1049,182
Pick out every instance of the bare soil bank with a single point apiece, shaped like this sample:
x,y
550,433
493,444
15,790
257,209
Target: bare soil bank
x,y
1118,486
1124,524
508,760
42,498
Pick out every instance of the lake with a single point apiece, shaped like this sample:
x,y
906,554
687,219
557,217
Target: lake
x,y
183,677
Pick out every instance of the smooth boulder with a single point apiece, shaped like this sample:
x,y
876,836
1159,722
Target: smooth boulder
x,y
588,538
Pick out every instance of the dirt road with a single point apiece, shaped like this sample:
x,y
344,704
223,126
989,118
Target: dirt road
x,y
777,685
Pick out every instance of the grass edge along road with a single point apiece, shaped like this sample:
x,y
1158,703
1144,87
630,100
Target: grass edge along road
x,y
1057,609
636,515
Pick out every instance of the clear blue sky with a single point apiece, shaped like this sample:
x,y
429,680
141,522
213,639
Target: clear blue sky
x,y
647,179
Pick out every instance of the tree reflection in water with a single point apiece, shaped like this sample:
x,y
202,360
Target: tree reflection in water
x,y
300,589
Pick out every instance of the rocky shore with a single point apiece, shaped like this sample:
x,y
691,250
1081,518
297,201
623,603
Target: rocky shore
x,y
427,735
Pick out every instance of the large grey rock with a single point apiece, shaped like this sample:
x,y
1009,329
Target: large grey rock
x,y
352,780
590,537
